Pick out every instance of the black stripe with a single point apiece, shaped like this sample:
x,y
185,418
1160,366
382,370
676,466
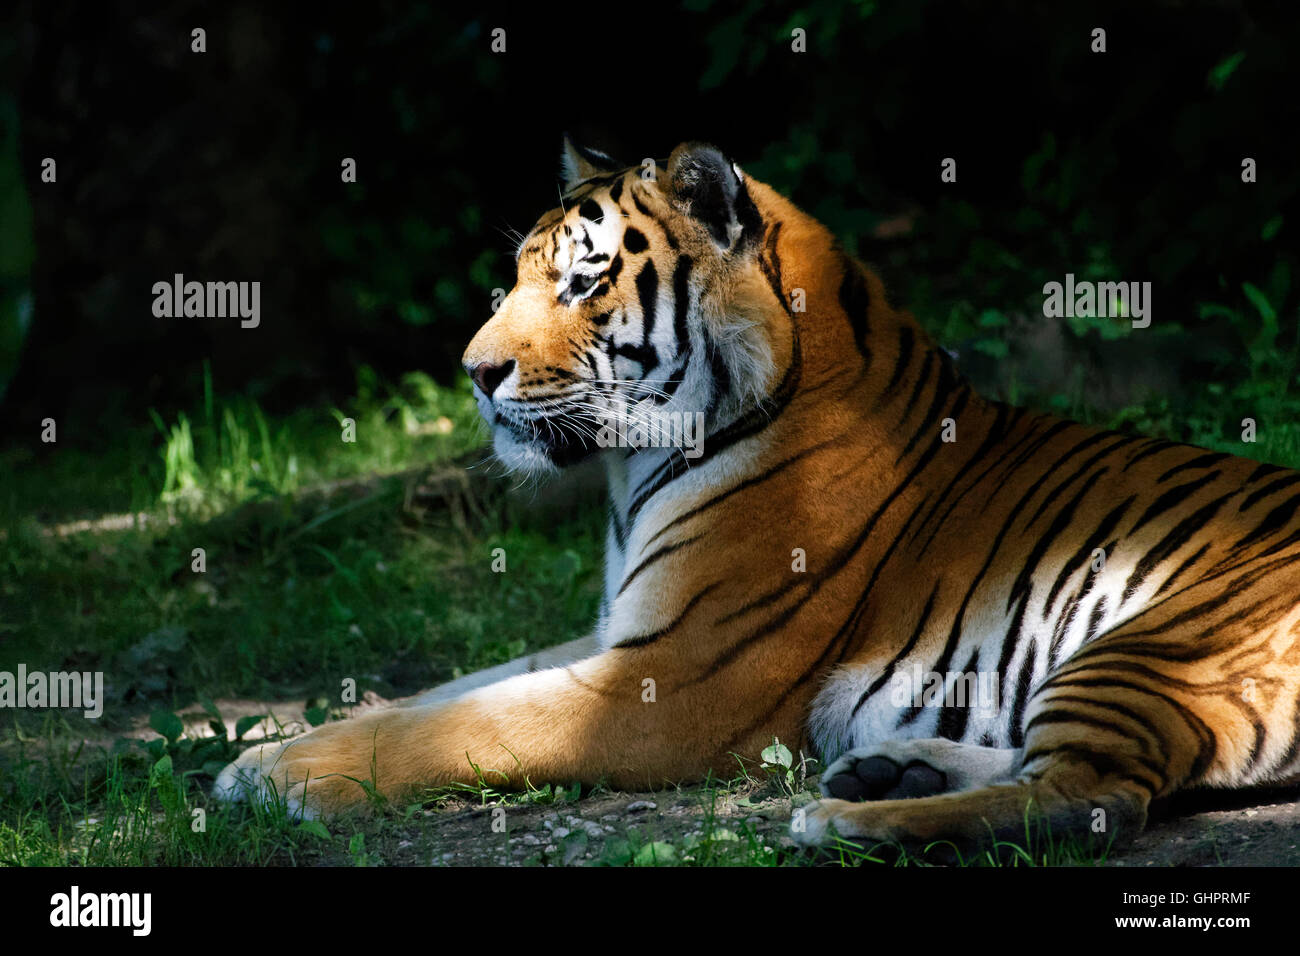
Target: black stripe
x,y
906,343
1024,684
647,291
1094,619
634,240
1275,520
619,537
1175,539
1263,471
682,304
840,560
1102,764
944,389
922,379
1070,479
1156,446
1204,461
654,558
855,300
997,433
1172,497
1099,534
741,486
1208,742
887,674
1142,720
1032,450
952,718
719,372
1024,581
615,268
1064,715
641,640
1271,488
1168,582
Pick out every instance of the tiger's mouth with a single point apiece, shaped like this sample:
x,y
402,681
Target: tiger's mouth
x,y
565,438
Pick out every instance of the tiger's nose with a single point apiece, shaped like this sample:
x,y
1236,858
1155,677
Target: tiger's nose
x,y
488,376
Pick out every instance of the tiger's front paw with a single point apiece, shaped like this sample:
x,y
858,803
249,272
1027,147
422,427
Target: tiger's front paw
x,y
323,773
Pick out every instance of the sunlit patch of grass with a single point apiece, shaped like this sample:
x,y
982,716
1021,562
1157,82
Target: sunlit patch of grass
x,y
231,453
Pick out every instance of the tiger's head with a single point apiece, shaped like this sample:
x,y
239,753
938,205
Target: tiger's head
x,y
639,305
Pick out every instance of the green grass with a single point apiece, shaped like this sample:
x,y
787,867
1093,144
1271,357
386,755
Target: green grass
x,y
301,591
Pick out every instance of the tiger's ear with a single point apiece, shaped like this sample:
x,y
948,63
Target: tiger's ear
x,y
582,162
710,188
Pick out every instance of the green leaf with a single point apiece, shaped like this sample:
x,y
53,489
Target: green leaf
x,y
316,715
316,829
1219,74
210,709
357,848
161,770
575,845
655,854
777,754
167,724
244,724
994,347
1260,301
1209,310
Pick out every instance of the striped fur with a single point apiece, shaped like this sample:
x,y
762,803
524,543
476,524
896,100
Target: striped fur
x,y
1173,664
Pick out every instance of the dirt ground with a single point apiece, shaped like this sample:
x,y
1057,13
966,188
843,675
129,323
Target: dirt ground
x,y
1259,828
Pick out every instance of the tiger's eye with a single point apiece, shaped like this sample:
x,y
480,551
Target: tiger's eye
x,y
581,283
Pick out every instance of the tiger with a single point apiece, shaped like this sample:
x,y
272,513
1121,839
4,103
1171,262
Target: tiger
x,y
853,538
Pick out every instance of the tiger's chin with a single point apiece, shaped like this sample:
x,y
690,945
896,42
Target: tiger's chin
x,y
537,457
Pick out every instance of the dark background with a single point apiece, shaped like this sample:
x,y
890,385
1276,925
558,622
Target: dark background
x,y
225,166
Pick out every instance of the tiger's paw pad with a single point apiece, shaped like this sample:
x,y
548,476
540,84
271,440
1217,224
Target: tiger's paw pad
x,y
905,769
876,777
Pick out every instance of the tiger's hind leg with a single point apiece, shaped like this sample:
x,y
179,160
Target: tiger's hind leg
x,y
1091,763
1200,689
1063,783
1099,746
